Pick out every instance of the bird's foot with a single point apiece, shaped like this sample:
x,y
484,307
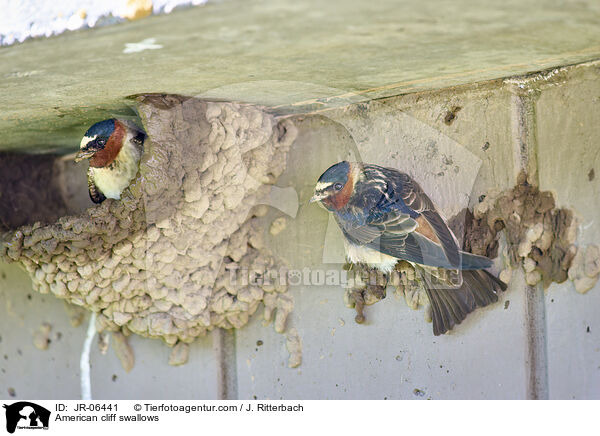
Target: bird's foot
x,y
370,287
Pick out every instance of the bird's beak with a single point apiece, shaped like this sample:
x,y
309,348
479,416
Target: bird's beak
x,y
317,197
84,154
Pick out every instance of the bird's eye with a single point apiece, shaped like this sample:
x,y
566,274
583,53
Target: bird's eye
x,y
101,142
338,186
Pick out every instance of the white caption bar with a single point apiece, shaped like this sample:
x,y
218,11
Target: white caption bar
x,y
90,418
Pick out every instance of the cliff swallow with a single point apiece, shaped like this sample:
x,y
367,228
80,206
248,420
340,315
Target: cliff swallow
x,y
113,148
385,217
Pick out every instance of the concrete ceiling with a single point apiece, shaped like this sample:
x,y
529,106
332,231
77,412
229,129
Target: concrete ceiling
x,y
294,55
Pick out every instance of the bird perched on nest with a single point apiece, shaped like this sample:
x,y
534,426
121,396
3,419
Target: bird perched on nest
x,y
386,217
114,148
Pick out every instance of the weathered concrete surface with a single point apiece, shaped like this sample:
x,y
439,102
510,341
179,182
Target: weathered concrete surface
x,y
281,53
152,376
568,158
395,355
26,371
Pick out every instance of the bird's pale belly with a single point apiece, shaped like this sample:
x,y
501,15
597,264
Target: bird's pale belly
x,y
373,258
111,181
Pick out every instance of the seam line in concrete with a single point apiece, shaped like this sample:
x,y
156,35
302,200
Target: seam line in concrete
x,y
537,354
525,153
225,354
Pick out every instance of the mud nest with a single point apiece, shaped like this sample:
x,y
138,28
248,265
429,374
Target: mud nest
x,y
155,263
540,237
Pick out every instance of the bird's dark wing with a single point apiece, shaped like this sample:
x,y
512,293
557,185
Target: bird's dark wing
x,y
357,233
411,247
416,248
408,195
395,236
360,232
384,217
95,194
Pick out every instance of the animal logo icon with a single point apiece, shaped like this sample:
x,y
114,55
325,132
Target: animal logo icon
x,y
26,415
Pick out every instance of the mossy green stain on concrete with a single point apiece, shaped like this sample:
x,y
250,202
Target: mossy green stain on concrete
x,y
282,52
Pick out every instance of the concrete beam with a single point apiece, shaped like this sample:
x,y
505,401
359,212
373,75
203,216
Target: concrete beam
x,y
299,55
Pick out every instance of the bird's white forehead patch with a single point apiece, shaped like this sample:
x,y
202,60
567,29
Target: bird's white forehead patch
x,y
321,186
86,140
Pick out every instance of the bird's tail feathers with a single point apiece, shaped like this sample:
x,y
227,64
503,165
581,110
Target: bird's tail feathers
x,y
450,306
469,261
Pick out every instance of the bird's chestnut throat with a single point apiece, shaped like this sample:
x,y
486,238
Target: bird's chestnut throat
x,y
340,199
113,146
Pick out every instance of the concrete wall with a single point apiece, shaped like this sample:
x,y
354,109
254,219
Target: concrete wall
x,y
568,157
531,344
284,53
